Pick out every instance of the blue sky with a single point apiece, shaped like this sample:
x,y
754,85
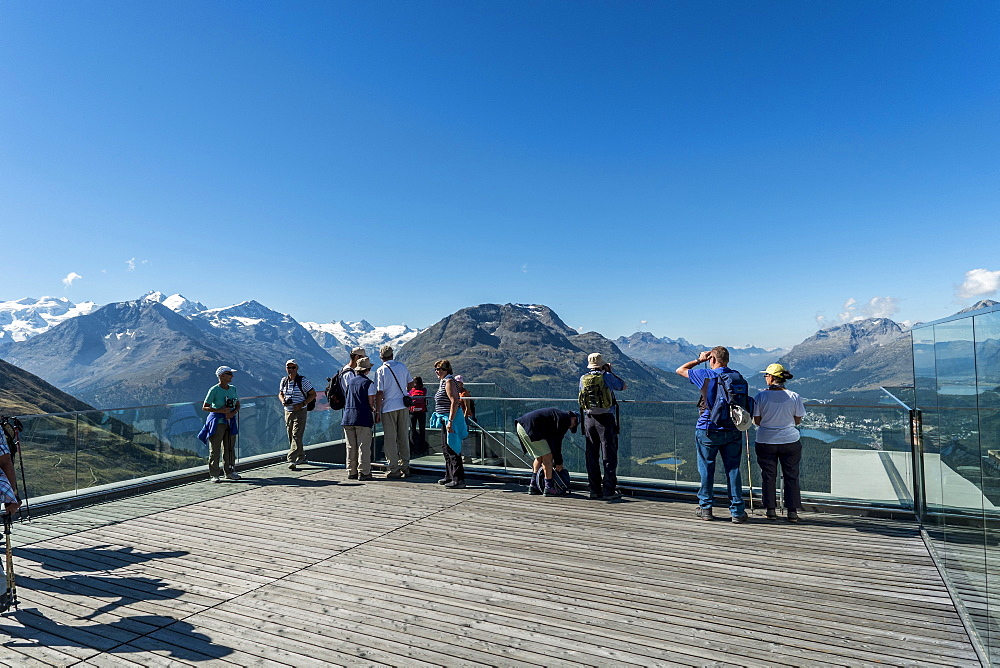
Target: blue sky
x,y
729,172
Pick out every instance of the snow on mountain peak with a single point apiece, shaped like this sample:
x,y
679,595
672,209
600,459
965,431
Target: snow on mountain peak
x,y
21,319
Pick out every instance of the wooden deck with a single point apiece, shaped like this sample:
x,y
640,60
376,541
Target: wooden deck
x,y
307,569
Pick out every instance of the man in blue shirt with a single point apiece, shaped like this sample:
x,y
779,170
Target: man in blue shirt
x,y
600,426
713,440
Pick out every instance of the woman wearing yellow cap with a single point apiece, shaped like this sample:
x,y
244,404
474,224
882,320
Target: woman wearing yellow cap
x,y
776,413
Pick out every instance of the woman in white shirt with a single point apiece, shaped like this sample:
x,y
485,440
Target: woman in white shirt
x,y
776,413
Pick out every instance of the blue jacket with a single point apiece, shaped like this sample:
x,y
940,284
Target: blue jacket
x,y
213,421
439,420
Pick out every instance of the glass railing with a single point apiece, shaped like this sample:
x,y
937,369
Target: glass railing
x,y
72,453
851,454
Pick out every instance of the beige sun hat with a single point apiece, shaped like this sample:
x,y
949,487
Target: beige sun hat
x,y
362,364
595,361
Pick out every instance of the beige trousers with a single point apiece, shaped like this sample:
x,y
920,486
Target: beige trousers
x,y
359,447
295,424
396,443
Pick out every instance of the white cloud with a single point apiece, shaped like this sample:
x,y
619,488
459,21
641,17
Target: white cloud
x,y
524,269
643,322
979,283
849,310
130,264
70,277
820,319
876,307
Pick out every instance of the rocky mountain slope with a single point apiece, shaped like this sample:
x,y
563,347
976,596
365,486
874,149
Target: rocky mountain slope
x,y
141,353
530,352
24,393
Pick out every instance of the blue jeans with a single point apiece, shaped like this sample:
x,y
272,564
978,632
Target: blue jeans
x,y
729,445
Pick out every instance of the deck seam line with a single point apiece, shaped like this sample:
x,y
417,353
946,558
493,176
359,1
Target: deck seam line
x,y
111,650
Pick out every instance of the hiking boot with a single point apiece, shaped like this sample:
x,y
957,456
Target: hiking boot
x,y
352,476
233,475
596,497
704,513
740,519
772,514
614,496
394,474
443,481
365,476
533,489
216,478
292,466
551,490
455,484
793,516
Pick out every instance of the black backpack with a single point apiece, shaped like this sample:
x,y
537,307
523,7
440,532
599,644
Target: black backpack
x,y
12,428
732,392
298,383
335,391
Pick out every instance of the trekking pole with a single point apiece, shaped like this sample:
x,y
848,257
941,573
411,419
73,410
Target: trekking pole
x,y
749,470
9,597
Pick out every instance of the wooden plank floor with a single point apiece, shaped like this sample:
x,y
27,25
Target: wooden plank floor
x,y
308,569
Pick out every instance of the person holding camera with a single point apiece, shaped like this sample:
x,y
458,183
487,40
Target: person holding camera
x,y
295,393
713,439
223,406
600,426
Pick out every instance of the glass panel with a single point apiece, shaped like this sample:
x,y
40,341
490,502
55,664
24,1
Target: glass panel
x,y
962,500
987,329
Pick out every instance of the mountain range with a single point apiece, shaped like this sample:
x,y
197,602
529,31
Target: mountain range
x,y
668,354
164,349
529,351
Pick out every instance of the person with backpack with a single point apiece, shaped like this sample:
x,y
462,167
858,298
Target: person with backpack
x,y
776,413
298,396
359,419
336,387
541,433
600,426
715,433
392,382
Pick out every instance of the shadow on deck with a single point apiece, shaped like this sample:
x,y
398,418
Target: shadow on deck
x,y
306,568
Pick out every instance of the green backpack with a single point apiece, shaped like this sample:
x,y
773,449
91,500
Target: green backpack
x,y
595,393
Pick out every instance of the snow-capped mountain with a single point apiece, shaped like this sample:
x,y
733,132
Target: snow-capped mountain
x,y
22,319
340,337
179,304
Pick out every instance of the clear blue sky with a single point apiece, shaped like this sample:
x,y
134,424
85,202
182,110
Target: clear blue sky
x,y
723,171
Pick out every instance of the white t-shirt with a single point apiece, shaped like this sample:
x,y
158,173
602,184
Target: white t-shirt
x,y
392,393
777,410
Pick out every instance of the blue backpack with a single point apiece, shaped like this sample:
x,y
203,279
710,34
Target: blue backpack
x,y
732,405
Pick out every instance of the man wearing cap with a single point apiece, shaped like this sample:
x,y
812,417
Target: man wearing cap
x,y
541,432
392,383
295,393
359,420
223,405
713,439
348,371
600,426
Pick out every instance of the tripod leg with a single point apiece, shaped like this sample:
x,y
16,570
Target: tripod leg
x,y
9,597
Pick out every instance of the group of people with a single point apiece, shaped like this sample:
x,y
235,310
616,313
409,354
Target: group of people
x,y
776,412
399,402
393,397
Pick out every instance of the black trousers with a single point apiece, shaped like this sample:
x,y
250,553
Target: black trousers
x,y
601,432
453,469
768,456
418,434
